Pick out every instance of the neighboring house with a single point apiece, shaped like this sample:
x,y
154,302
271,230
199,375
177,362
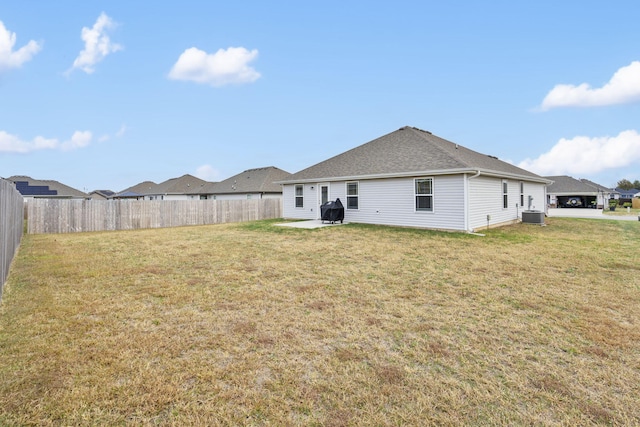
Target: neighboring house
x,y
137,192
186,187
627,194
256,183
101,194
45,189
568,192
413,178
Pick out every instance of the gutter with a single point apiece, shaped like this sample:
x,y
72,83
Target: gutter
x,y
477,173
466,201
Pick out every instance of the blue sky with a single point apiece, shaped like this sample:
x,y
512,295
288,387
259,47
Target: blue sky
x,y
107,94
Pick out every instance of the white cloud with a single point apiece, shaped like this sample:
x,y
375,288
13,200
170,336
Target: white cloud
x,y
207,172
585,155
10,58
119,134
123,129
13,144
78,140
224,67
97,45
624,87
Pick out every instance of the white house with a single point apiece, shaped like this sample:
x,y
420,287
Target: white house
x,y
257,183
413,178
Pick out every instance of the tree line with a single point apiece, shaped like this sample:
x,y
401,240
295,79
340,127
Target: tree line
x,y
625,184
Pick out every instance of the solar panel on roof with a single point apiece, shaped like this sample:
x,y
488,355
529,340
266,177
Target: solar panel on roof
x,y
34,190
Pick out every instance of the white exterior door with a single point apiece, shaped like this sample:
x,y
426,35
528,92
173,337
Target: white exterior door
x,y
323,196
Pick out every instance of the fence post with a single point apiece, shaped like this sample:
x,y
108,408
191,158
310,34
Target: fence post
x,y
11,225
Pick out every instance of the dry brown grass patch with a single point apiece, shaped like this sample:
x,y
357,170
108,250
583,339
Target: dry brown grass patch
x,y
354,325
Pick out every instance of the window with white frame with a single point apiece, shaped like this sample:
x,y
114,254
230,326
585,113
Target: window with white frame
x,y
352,195
505,194
521,194
299,196
424,194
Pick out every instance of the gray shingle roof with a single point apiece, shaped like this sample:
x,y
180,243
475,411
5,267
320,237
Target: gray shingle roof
x,y
258,180
145,187
407,151
60,190
563,184
186,184
595,185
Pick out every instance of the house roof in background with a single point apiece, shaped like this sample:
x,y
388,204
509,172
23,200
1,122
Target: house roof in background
x,y
407,150
137,190
258,180
104,193
28,186
564,184
627,194
597,186
186,184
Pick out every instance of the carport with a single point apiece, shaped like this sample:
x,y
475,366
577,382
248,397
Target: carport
x,y
576,201
568,192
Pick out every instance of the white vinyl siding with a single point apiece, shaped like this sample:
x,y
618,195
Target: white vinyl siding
x,y
486,197
240,196
270,196
391,202
309,201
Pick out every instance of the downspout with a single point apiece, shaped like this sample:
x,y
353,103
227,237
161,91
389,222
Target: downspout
x,y
466,202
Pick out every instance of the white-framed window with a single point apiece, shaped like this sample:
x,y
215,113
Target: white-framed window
x,y
521,194
299,196
505,194
423,188
352,195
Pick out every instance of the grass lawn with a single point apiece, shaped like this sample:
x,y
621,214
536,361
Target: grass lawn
x,y
620,211
253,324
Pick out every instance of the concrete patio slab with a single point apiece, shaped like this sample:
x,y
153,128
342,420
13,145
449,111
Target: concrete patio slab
x,y
315,223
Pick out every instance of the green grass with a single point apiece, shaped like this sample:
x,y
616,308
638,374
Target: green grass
x,y
253,324
621,211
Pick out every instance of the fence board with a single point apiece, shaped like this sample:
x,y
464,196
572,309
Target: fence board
x,y
11,225
71,216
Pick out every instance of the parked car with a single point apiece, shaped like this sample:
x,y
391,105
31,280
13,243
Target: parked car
x,y
573,202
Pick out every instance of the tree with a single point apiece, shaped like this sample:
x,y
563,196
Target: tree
x,y
625,184
636,184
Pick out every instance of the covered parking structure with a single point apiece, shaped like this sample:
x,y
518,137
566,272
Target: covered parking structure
x,y
568,192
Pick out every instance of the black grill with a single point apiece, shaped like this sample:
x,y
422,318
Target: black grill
x,y
332,211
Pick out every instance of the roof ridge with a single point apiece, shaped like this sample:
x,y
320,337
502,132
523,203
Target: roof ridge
x,y
436,141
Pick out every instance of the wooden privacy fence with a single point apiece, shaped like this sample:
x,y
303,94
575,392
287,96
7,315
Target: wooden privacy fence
x,y
72,216
11,225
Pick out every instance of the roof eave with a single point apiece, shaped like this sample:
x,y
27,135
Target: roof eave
x,y
484,172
